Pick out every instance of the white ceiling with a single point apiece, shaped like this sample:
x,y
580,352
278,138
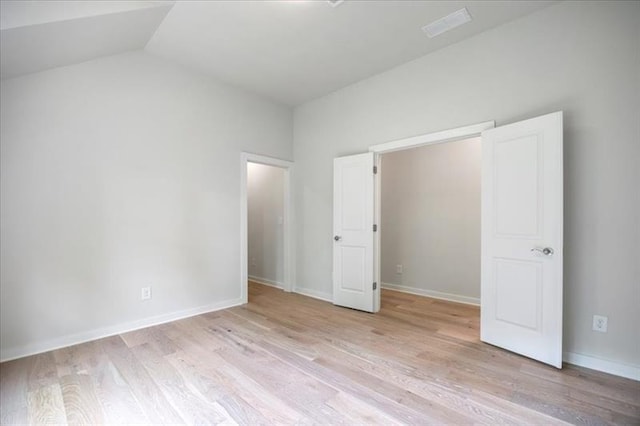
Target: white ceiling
x,y
296,51
288,51
20,13
38,35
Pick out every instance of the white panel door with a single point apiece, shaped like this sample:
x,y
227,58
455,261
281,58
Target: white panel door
x,y
353,237
522,202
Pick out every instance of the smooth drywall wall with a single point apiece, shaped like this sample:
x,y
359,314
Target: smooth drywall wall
x,y
579,57
265,216
430,224
116,174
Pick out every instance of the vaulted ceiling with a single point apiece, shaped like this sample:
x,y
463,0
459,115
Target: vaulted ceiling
x,y
288,51
38,35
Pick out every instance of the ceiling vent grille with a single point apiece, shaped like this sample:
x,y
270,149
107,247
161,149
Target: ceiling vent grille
x,y
447,23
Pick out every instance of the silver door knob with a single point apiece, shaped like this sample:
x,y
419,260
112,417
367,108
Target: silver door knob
x,y
337,238
547,251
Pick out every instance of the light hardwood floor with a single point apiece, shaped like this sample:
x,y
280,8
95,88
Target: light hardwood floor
x,y
286,358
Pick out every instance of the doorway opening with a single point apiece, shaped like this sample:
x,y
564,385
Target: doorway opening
x,y
430,232
521,231
266,257
471,132
265,220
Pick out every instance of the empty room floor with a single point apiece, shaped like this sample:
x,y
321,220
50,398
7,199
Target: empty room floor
x,y
286,358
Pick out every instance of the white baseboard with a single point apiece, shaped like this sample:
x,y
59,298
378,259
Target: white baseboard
x,y
86,336
435,294
327,297
629,371
266,281
616,368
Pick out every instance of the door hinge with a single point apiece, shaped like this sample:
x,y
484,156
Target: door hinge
x,y
375,286
375,228
375,170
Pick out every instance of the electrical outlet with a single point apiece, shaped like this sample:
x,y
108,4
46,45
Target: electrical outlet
x,y
600,323
398,269
145,293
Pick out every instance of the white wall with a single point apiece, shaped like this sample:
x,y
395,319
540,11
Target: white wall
x,y
580,57
430,224
265,215
120,173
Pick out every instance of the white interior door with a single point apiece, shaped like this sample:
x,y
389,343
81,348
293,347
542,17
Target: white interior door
x,y
522,202
353,237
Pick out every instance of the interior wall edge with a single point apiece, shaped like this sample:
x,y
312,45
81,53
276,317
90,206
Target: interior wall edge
x,y
616,368
8,354
320,295
266,281
433,294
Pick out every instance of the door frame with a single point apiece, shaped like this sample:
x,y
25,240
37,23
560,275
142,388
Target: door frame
x,y
449,135
287,225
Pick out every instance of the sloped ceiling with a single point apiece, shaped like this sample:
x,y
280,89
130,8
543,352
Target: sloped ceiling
x,y
288,51
38,35
296,51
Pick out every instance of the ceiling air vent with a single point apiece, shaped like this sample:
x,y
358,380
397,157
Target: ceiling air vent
x,y
449,22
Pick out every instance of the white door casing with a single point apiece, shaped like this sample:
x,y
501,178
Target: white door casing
x,y
473,130
522,238
522,215
353,243
288,221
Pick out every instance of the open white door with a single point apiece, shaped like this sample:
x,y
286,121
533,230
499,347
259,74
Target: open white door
x,y
522,204
353,237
